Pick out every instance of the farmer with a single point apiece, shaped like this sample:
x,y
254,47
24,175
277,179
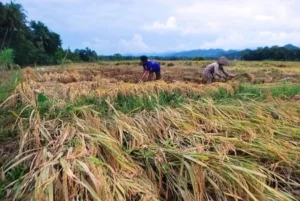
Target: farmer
x,y
150,67
213,70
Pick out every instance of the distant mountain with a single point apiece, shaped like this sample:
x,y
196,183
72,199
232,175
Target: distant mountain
x,y
210,53
161,54
206,53
291,47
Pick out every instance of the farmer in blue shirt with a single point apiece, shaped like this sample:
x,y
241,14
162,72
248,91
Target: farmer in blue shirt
x,y
150,67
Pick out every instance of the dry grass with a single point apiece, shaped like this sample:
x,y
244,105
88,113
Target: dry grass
x,y
69,83
197,152
200,150
64,86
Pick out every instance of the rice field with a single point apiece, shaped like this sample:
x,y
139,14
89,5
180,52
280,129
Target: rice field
x,y
90,132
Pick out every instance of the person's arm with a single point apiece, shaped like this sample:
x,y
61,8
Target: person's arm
x,y
144,75
216,70
224,71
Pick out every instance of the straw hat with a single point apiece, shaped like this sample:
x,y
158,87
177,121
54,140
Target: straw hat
x,y
223,61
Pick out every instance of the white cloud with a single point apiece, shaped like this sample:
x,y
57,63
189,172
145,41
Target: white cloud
x,y
96,43
235,24
225,42
263,17
252,40
273,35
170,24
135,44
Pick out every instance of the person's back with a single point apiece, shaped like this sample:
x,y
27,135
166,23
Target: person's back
x,y
150,67
210,69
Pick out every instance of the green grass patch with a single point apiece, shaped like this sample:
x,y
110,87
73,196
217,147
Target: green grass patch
x,y
128,103
134,103
131,103
10,79
13,175
249,92
7,119
285,91
9,84
257,92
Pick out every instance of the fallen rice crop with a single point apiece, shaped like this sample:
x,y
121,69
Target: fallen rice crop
x,y
153,141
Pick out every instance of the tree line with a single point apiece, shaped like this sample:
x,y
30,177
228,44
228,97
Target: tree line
x,y
32,42
119,57
275,53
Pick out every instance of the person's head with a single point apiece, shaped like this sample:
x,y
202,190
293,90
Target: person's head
x,y
144,59
223,61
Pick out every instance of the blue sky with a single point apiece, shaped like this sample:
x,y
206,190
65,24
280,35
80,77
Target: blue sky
x,y
122,26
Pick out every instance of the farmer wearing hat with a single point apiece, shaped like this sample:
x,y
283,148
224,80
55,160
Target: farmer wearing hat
x,y
150,67
213,70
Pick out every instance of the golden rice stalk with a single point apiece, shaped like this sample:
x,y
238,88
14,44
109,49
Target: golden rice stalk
x,y
249,76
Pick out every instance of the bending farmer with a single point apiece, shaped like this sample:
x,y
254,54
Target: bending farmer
x,y
213,70
150,67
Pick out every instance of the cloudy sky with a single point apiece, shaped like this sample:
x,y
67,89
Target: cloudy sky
x,y
121,26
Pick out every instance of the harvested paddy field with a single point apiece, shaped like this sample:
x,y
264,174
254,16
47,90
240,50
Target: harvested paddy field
x,y
90,132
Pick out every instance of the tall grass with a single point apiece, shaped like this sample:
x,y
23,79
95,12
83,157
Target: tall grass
x,y
6,59
9,82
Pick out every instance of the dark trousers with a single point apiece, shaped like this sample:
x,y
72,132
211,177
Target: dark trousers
x,y
207,79
157,75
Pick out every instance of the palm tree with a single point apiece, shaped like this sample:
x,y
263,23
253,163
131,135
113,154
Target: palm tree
x,y
46,40
13,20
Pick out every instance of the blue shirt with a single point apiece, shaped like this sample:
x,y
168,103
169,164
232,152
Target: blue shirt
x,y
152,66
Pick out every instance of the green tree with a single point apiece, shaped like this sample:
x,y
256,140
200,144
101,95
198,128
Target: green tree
x,y
199,59
273,53
13,21
33,44
44,39
117,57
86,54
